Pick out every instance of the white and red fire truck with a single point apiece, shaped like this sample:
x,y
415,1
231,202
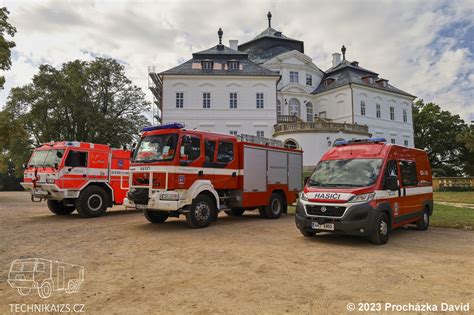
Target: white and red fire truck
x,y
176,171
74,175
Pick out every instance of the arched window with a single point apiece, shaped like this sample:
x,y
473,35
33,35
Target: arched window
x,y
279,108
291,144
294,107
309,112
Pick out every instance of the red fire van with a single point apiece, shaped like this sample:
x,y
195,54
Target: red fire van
x,y
367,187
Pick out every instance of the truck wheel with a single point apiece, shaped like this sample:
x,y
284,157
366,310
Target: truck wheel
x,y
235,212
381,229
262,212
275,207
92,202
424,222
156,216
58,208
308,233
44,291
201,212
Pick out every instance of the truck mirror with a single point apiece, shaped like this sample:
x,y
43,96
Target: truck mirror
x,y
56,165
392,182
59,154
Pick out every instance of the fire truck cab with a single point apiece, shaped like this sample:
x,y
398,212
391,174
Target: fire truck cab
x,y
176,171
367,187
74,175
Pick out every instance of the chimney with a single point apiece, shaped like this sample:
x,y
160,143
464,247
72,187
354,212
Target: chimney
x,y
234,44
336,59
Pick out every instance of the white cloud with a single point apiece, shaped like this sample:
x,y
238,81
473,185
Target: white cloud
x,y
402,41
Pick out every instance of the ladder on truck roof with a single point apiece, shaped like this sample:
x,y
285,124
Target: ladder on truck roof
x,y
260,140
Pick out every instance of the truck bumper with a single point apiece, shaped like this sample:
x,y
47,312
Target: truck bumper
x,y
358,219
45,191
155,203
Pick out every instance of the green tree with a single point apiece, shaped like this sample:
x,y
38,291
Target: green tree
x,y
436,131
5,45
466,139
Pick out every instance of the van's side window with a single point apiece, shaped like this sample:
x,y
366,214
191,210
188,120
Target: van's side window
x,y
190,148
390,170
210,148
76,159
408,173
225,153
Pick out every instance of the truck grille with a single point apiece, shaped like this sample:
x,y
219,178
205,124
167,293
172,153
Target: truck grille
x,y
330,211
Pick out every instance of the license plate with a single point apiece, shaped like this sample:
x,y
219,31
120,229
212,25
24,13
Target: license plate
x,y
141,206
325,226
41,193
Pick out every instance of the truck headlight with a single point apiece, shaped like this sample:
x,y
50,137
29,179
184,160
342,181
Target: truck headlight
x,y
169,196
50,180
303,196
362,198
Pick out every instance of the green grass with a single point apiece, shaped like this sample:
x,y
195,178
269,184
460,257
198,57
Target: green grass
x,y
454,196
443,216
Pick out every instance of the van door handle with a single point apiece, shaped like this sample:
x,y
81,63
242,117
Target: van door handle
x,y
201,173
234,174
404,192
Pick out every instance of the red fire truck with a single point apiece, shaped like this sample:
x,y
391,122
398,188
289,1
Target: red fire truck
x,y
367,187
74,175
176,171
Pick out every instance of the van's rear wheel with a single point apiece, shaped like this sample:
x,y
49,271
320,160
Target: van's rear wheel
x,y
307,233
424,222
201,212
59,208
235,212
381,229
156,216
275,207
92,202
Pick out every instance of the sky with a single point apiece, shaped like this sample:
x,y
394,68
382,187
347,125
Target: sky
x,y
425,48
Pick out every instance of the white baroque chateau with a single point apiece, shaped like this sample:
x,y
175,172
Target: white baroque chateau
x,y
268,87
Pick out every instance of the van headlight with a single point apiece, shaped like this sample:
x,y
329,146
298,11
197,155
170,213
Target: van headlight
x,y
171,196
303,196
362,198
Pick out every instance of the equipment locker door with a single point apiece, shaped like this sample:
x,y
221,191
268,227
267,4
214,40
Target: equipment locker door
x,y
295,171
255,169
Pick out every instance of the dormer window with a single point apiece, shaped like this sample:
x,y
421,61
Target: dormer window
x,y
382,82
329,81
233,65
207,65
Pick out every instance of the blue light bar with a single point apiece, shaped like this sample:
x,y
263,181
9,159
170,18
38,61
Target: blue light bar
x,y
370,140
340,142
174,125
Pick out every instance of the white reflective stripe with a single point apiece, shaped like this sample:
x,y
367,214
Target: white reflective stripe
x,y
171,169
410,191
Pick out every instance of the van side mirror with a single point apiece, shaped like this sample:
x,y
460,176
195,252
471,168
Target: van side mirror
x,y
391,182
306,179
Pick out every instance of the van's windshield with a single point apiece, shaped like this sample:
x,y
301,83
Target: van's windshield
x,y
46,157
156,148
345,173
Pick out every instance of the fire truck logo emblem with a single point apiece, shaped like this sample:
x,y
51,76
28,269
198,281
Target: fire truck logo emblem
x,y
323,209
44,276
181,179
120,163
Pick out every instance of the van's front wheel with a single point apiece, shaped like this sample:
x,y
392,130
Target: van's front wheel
x,y
381,229
424,222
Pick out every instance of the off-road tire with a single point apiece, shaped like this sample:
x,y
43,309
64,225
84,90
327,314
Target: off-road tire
x,y
235,212
201,213
44,291
275,206
424,222
381,230
92,202
156,216
59,208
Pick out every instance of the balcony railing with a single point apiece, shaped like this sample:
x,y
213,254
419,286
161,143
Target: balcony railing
x,y
319,125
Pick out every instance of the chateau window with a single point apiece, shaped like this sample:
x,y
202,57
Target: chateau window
x,y
392,113
392,140
294,77
207,65
405,142
405,116
233,132
362,108
260,133
279,112
233,100
309,112
206,100
179,99
309,79
377,110
259,100
233,65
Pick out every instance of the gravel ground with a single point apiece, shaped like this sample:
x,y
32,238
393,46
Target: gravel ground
x,y
238,265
